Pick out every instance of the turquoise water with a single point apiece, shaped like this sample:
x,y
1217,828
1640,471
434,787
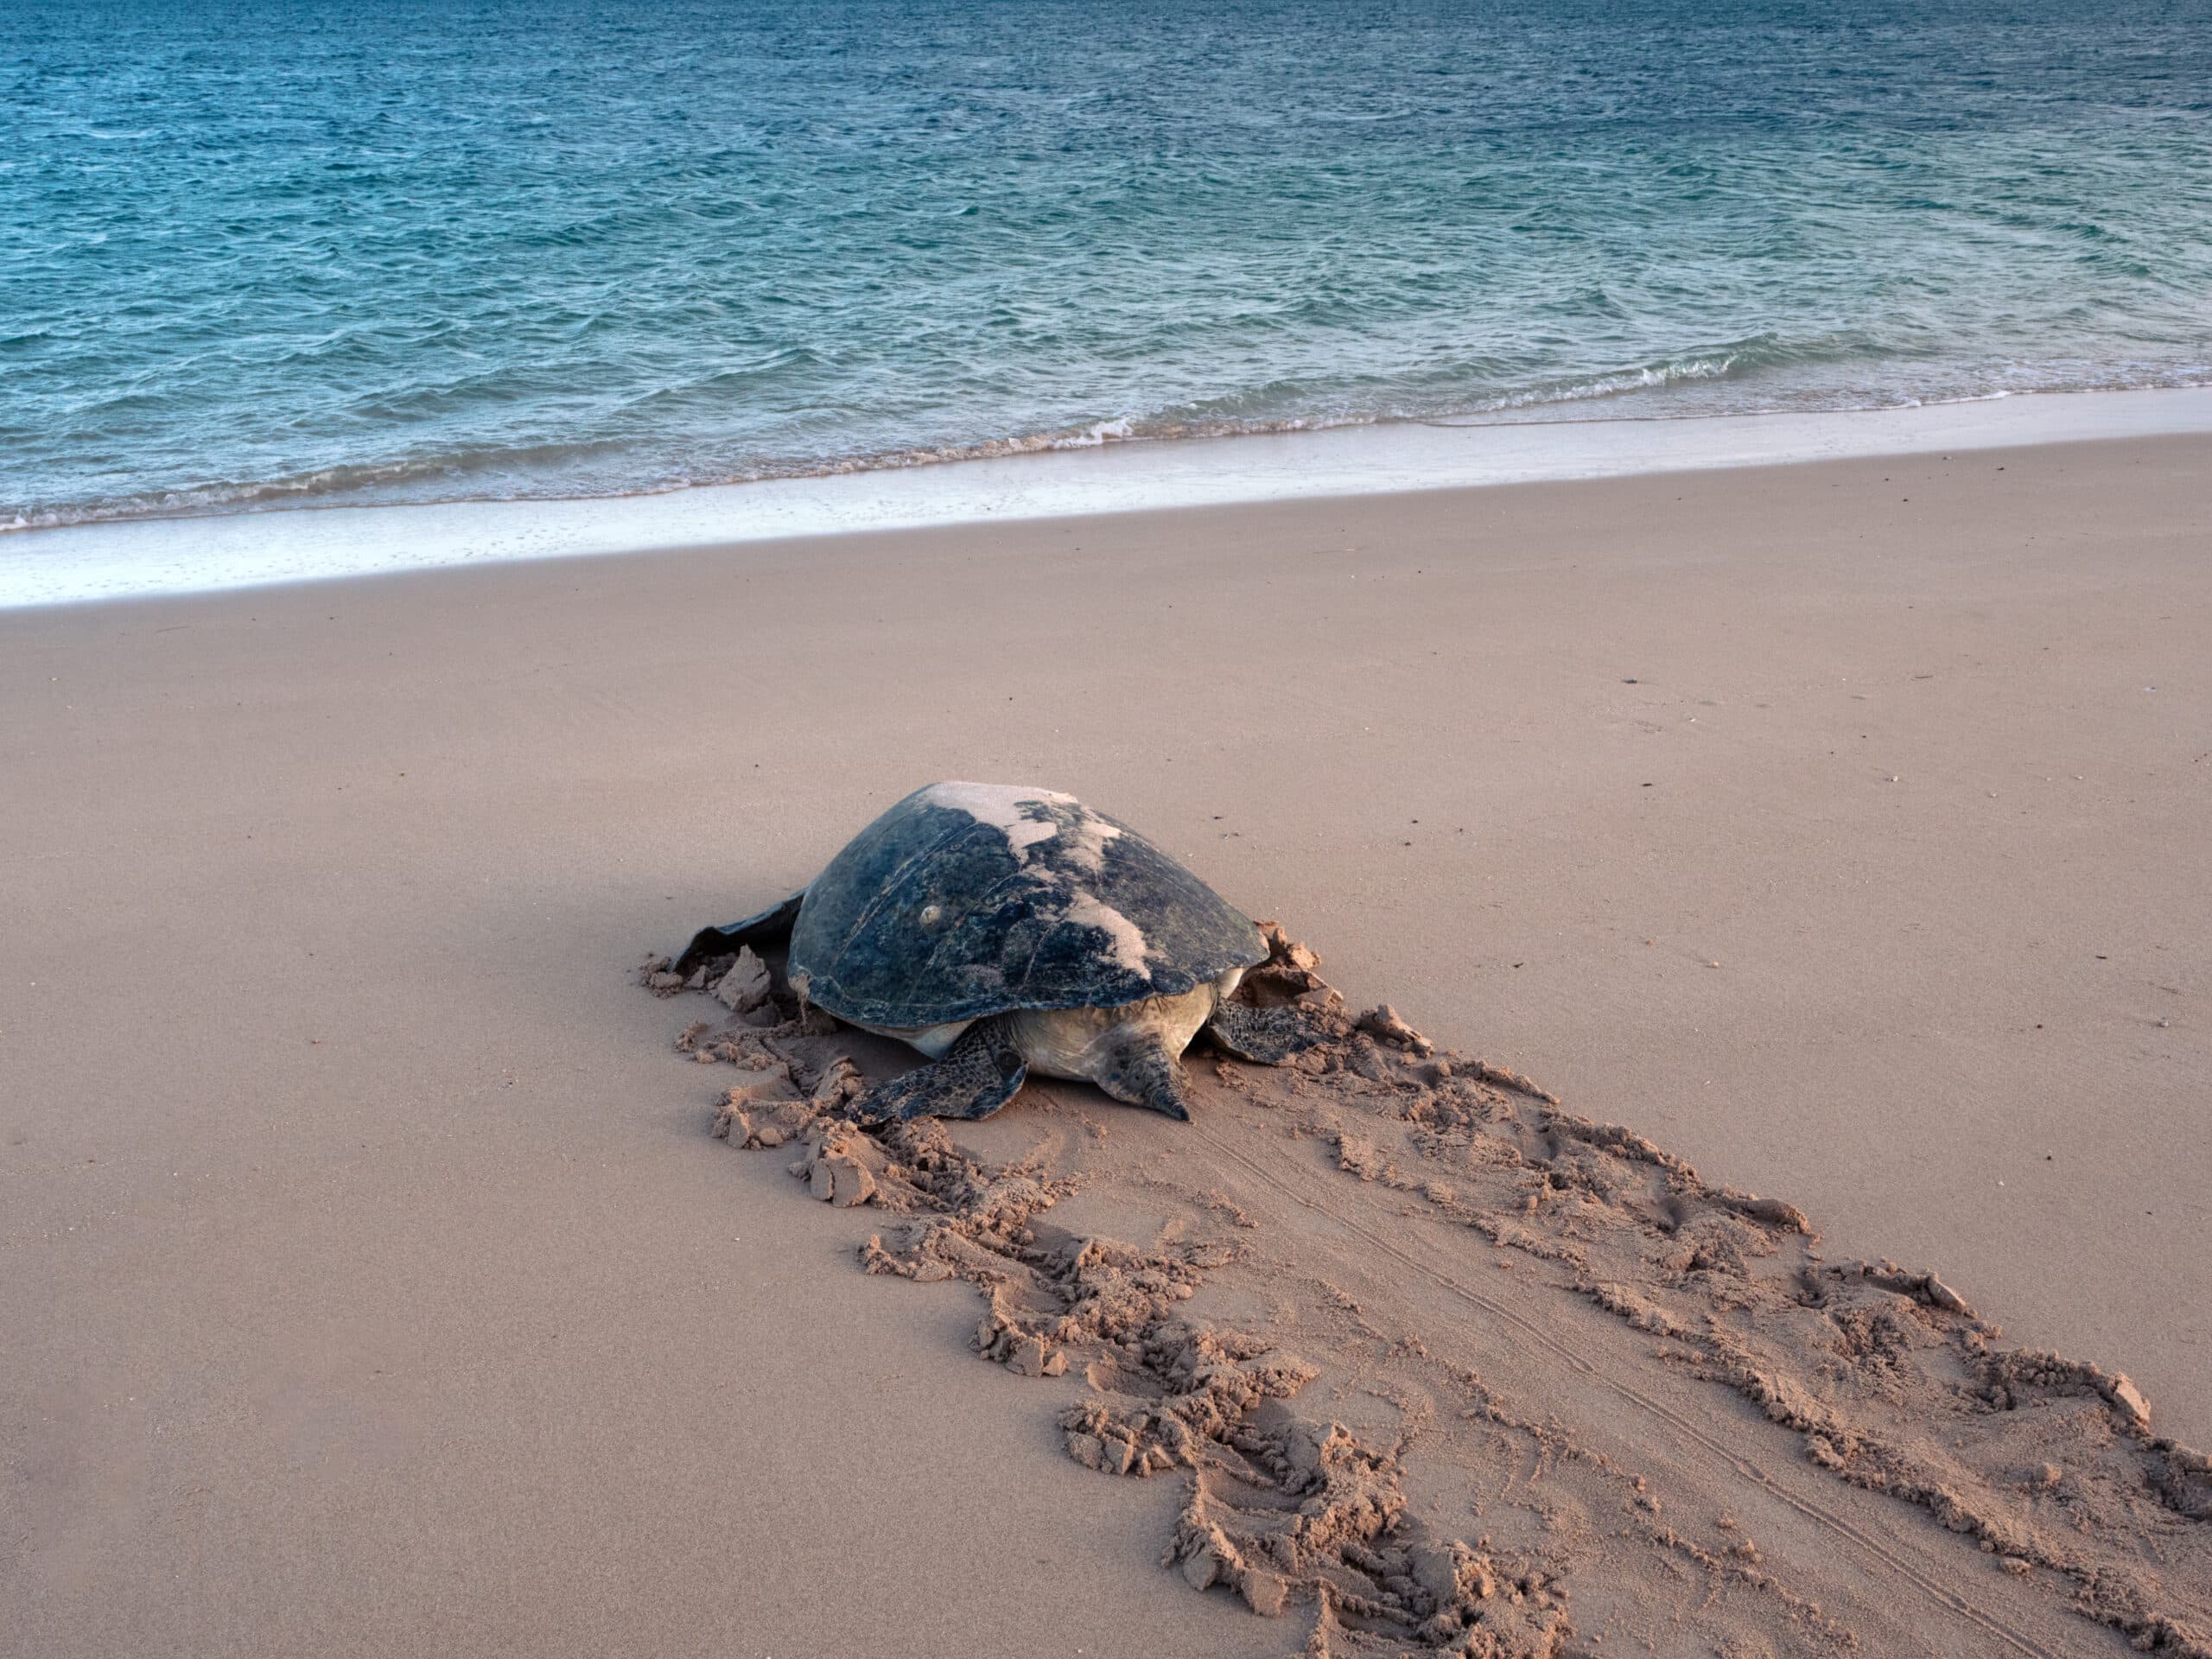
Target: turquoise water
x,y
281,255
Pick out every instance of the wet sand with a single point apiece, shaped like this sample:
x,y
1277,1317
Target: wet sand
x,y
373,1282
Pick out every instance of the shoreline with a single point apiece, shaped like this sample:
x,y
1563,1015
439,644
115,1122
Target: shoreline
x,y
145,557
1835,828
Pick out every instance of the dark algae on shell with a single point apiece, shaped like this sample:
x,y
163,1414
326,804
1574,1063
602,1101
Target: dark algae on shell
x,y
968,900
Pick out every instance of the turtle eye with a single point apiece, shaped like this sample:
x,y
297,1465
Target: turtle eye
x,y
1009,1061
932,915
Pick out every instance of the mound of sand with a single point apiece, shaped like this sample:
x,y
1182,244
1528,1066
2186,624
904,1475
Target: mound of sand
x,y
1435,1364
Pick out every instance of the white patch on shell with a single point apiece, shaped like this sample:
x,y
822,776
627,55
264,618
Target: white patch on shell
x,y
1086,842
1125,939
1001,806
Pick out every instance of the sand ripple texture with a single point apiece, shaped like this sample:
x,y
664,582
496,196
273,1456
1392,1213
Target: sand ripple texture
x,y
1424,1362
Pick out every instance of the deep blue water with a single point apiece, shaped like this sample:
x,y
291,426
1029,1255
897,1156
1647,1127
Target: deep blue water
x,y
265,254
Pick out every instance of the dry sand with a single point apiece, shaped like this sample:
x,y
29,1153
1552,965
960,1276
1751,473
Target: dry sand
x,y
1512,1467
372,1283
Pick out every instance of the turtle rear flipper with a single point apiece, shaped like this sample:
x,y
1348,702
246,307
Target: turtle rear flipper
x,y
1142,1072
1265,1036
979,1073
771,927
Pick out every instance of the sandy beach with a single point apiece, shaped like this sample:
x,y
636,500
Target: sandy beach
x,y
374,1285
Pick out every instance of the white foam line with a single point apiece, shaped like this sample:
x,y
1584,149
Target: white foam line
x,y
114,560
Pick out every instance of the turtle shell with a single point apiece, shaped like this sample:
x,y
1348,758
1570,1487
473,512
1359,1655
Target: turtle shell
x,y
970,900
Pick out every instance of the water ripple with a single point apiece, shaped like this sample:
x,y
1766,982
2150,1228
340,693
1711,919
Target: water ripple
x,y
261,254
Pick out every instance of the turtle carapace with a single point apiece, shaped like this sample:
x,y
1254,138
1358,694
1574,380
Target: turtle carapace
x,y
999,928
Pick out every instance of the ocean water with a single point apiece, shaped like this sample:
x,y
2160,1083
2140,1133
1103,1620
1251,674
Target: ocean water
x,y
285,254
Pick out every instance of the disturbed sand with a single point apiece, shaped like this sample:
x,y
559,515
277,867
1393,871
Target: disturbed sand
x,y
1473,1464
374,1285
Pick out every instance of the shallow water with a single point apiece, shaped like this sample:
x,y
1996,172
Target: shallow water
x,y
263,255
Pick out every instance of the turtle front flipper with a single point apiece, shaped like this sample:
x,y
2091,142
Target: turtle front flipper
x,y
1265,1036
1142,1071
979,1073
771,927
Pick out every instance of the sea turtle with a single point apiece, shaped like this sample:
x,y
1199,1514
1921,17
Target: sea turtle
x,y
998,928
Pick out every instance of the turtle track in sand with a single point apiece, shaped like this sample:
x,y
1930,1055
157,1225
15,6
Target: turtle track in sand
x,y
1438,1365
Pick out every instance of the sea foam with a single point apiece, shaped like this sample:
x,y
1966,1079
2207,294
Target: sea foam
x,y
427,260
